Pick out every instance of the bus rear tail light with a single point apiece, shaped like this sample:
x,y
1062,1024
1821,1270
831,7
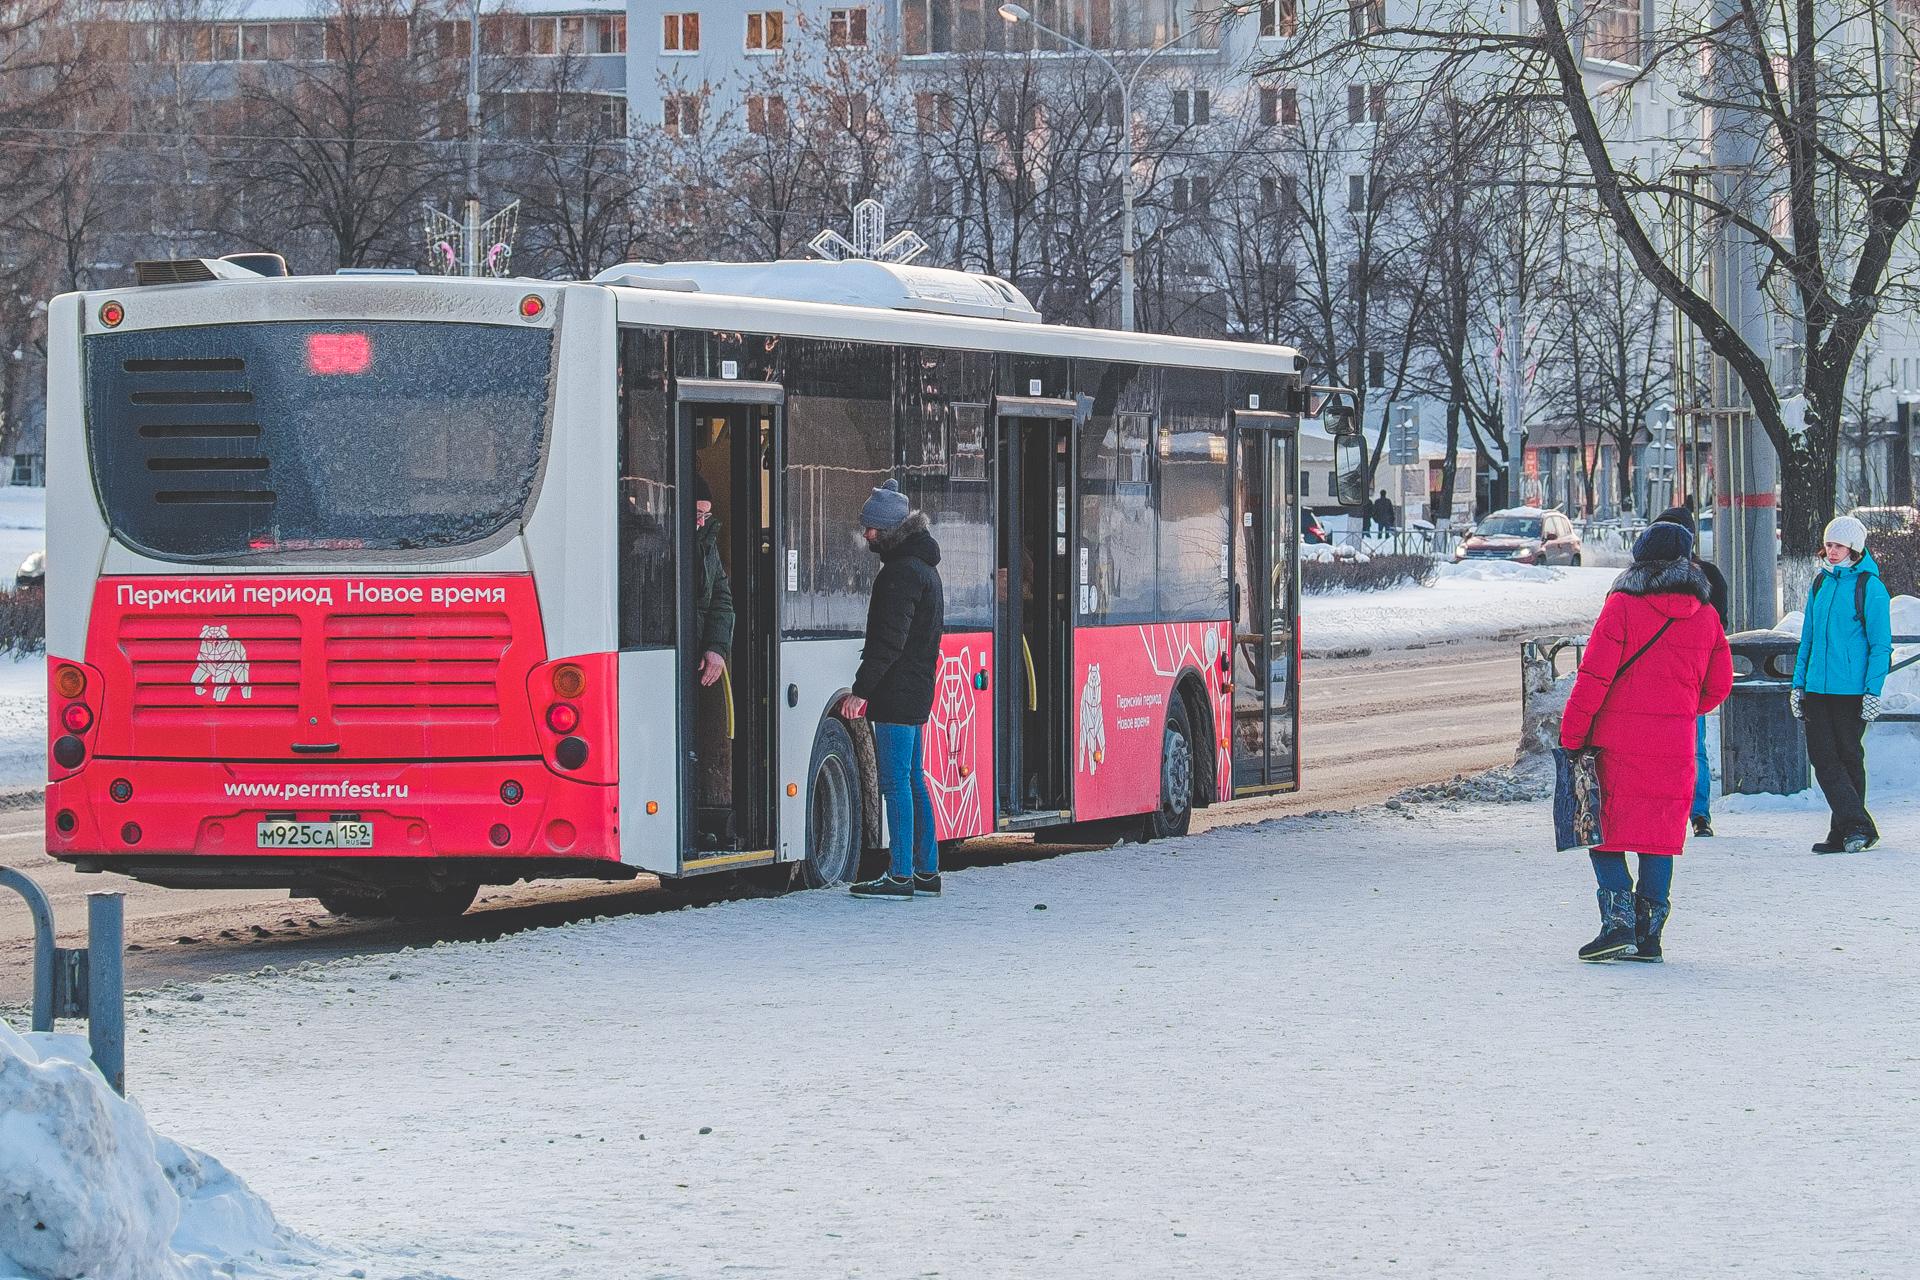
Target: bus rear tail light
x,y
573,705
569,681
563,717
571,753
131,833
70,682
77,718
499,834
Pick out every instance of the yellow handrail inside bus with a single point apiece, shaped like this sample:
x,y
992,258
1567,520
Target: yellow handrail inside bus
x,y
1033,693
726,691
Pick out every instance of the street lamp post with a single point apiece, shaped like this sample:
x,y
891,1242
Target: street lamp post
x,y
1014,15
471,251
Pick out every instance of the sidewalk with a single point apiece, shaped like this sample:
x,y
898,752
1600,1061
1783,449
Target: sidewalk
x,y
1328,1046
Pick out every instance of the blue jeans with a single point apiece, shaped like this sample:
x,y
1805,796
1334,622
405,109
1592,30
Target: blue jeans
x,y
1702,772
1656,874
903,781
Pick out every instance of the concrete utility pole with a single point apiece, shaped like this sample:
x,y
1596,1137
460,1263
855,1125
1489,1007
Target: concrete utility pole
x,y
1746,469
470,253
1014,15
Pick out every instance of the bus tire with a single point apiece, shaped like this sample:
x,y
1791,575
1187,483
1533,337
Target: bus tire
x,y
1175,814
834,828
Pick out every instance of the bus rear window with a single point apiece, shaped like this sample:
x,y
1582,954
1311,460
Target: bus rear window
x,y
258,439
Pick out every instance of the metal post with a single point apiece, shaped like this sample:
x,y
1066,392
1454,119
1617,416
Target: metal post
x,y
1747,470
1014,15
106,987
44,951
470,253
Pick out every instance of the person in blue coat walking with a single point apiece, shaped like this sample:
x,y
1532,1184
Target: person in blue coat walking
x,y
1846,646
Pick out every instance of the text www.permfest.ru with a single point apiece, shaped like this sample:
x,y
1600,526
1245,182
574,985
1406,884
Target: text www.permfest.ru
x,y
317,790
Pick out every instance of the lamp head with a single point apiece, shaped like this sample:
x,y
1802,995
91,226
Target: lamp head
x,y
1013,13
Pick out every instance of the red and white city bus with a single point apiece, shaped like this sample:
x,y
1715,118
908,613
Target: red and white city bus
x,y
379,588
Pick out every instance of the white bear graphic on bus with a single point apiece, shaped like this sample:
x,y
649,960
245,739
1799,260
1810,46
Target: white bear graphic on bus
x,y
223,665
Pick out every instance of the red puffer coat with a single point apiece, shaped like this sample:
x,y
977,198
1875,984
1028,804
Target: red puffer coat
x,y
1643,722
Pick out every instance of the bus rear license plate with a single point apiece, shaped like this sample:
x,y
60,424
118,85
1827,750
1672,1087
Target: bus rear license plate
x,y
315,835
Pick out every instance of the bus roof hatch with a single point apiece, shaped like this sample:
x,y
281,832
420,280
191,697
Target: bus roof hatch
x,y
855,282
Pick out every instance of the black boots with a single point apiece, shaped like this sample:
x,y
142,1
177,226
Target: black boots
x,y
1616,927
1649,917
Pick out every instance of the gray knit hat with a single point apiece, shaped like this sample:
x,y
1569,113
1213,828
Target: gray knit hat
x,y
886,509
1663,541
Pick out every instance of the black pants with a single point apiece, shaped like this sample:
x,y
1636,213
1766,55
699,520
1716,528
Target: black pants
x,y
1834,745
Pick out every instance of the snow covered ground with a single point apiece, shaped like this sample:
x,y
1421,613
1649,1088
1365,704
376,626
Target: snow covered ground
x,y
1331,1046
23,527
1472,600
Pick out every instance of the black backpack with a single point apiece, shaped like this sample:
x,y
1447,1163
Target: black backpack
x,y
1859,595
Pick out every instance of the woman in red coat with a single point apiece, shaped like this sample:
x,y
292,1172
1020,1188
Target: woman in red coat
x,y
1657,659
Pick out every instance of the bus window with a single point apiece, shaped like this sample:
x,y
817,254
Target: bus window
x,y
1193,496
946,399
839,447
646,497
233,440
1119,526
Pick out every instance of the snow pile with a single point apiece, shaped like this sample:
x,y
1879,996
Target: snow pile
x,y
23,722
1498,571
1481,601
1529,780
87,1189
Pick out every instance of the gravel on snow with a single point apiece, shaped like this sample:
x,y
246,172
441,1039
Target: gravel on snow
x,y
1330,1045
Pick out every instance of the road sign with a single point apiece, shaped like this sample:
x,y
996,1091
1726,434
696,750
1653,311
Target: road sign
x,y
1403,436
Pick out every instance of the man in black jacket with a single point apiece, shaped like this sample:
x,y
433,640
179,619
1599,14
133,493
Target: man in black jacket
x,y
1702,811
894,687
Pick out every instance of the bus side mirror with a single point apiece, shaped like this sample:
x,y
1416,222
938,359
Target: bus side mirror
x,y
1349,462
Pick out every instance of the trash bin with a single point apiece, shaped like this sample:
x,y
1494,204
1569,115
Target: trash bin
x,y
1762,749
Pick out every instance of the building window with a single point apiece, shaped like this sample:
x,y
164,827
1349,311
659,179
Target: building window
x,y
766,114
1376,368
679,33
680,114
1269,194
933,112
851,110
1356,193
1190,193
1279,18
766,31
1365,17
847,28
610,34
1366,103
613,116
1289,106
1192,106
1613,31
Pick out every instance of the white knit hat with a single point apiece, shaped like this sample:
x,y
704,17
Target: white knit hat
x,y
1848,532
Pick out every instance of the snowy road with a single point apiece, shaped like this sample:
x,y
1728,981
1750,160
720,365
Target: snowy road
x,y
1352,1046
1372,726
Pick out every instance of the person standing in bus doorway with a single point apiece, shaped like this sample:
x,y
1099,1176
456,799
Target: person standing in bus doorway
x,y
893,688
1846,651
1702,811
713,637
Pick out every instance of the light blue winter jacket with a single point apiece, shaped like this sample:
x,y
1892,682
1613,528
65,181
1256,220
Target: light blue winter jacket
x,y
1838,654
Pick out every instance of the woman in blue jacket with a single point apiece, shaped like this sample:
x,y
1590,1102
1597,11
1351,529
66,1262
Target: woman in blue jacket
x,y
1846,646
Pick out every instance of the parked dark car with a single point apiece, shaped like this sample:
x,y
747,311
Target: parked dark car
x,y
33,572
1524,535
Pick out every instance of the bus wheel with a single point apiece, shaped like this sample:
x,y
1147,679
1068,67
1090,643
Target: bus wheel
x,y
833,810
346,902
1175,813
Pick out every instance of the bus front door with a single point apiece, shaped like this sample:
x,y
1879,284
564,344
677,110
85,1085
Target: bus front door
x,y
1266,605
1033,624
727,632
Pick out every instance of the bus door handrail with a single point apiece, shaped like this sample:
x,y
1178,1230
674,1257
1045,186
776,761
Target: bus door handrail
x,y
1033,691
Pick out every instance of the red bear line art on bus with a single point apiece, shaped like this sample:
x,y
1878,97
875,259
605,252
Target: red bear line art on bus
x,y
223,665
952,746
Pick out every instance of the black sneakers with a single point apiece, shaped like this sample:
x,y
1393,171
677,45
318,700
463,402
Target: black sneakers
x,y
1829,845
884,888
926,886
1702,825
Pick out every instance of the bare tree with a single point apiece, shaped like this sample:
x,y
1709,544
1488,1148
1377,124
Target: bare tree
x,y
333,157
1820,94
574,173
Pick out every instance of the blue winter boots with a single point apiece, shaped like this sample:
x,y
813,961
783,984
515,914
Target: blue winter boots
x,y
1616,927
